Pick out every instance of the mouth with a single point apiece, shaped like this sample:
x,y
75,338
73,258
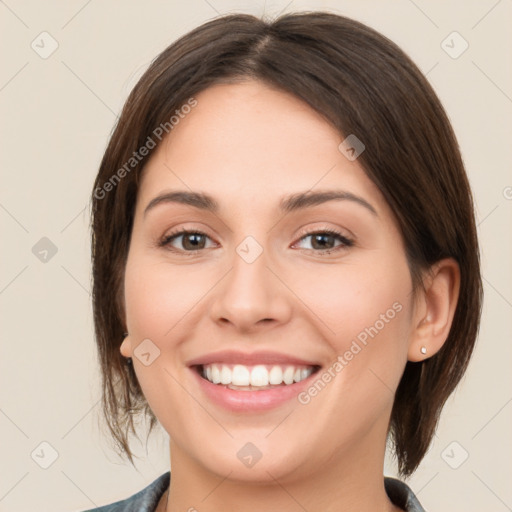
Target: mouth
x,y
260,377
243,382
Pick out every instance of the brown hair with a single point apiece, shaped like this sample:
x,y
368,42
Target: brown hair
x,y
363,84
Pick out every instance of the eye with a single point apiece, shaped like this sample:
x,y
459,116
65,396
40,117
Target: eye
x,y
191,240
324,241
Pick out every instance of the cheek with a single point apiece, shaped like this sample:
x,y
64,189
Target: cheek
x,y
157,296
365,310
350,298
157,299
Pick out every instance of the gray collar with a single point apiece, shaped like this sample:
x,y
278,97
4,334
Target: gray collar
x,y
147,500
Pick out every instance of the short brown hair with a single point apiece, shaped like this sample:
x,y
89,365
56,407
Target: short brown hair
x,y
362,84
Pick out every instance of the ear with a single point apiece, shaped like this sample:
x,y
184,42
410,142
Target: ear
x,y
126,346
434,310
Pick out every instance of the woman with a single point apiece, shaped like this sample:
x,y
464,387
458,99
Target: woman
x,y
286,270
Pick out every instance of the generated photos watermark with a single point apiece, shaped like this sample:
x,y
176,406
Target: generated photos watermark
x,y
151,142
357,345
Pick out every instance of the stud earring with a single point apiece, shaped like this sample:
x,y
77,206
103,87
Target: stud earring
x,y
423,350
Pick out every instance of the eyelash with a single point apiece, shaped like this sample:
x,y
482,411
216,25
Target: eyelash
x,y
345,242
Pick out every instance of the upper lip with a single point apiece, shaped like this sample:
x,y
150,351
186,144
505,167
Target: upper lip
x,y
249,359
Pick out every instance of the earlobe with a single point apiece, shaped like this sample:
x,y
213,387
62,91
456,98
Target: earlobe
x,y
126,346
435,310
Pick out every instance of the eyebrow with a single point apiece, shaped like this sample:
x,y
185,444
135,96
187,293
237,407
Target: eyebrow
x,y
288,204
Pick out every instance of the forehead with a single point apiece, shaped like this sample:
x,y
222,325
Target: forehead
x,y
251,143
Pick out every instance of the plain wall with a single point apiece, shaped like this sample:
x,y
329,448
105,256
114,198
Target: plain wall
x,y
56,116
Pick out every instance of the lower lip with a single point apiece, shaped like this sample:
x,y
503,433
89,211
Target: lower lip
x,y
249,401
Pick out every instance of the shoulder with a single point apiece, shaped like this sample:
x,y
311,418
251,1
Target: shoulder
x,y
402,495
145,500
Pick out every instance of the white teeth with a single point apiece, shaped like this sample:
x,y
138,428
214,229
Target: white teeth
x,y
259,376
288,375
275,376
256,376
215,374
225,375
240,376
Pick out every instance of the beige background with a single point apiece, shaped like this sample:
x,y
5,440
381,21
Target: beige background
x,y
56,115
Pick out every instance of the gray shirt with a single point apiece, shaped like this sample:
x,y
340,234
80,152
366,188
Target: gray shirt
x,y
147,500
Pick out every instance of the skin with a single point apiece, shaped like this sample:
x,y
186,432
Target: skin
x,y
248,145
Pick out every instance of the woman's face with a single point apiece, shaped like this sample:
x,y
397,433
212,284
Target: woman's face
x,y
277,286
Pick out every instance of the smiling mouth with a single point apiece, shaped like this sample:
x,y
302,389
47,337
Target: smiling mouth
x,y
254,378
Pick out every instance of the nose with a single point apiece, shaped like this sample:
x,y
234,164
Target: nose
x,y
252,296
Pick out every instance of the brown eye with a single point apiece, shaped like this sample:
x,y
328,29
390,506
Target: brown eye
x,y
325,240
190,240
